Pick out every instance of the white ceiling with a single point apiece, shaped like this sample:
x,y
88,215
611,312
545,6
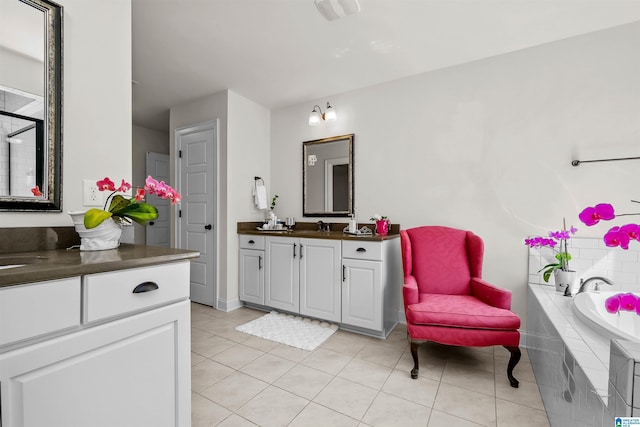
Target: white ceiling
x,y
283,52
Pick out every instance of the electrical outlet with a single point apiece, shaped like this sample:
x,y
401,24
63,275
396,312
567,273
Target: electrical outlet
x,y
91,195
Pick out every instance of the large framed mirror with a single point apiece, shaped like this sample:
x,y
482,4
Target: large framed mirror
x,y
327,177
30,105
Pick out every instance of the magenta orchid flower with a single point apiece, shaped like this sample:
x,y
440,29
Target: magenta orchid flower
x,y
124,187
622,302
614,237
592,215
106,185
628,302
612,304
140,193
151,185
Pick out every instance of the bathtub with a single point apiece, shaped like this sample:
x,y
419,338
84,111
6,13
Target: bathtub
x,y
589,308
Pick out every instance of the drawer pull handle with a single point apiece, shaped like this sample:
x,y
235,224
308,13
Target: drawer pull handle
x,y
361,250
259,262
251,242
145,287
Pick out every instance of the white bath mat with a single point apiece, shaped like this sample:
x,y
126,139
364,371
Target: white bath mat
x,y
294,331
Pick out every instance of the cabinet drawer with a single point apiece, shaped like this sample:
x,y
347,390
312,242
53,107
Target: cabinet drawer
x,y
362,250
251,242
115,293
38,309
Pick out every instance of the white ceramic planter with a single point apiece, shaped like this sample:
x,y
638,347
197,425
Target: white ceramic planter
x,y
104,236
564,279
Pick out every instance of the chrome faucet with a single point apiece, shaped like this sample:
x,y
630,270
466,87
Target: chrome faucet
x,y
584,283
323,226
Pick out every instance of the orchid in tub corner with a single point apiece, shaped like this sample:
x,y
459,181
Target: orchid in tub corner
x,y
122,208
556,238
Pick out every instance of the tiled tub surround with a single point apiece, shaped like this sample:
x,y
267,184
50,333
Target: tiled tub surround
x,y
624,378
571,360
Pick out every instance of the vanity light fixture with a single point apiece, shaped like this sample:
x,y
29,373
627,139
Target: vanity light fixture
x,y
316,115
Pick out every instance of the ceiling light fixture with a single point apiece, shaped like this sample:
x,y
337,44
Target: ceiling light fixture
x,y
316,115
334,9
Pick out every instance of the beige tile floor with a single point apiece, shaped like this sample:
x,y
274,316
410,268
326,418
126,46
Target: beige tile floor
x,y
350,380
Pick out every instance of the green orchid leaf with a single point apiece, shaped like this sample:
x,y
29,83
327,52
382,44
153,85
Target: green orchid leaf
x,y
119,204
94,217
140,212
550,266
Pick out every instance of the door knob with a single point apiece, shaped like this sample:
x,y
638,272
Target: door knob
x,y
208,227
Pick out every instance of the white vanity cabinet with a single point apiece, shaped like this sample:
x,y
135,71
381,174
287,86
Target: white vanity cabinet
x,y
320,293
356,283
362,285
372,284
303,276
252,269
125,363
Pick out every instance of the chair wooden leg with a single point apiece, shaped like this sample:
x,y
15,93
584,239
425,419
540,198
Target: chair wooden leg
x,y
414,354
513,361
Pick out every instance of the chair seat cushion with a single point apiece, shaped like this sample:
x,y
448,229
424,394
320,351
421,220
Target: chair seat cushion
x,y
463,311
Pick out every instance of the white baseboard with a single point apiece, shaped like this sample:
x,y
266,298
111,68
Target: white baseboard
x,y
229,305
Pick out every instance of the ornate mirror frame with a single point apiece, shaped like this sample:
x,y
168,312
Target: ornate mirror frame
x,y
327,164
52,182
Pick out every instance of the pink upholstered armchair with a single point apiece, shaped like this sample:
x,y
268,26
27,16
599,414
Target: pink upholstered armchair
x,y
447,301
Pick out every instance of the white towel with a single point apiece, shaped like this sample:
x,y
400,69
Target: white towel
x,y
260,196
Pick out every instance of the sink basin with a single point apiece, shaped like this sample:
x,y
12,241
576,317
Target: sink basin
x,y
19,261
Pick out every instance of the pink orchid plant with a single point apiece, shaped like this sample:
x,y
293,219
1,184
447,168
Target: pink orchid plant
x,y
556,239
123,209
616,236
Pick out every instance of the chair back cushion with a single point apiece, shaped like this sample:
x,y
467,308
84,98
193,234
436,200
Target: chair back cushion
x,y
440,260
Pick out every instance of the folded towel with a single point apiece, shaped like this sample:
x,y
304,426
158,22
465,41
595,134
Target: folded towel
x,y
260,196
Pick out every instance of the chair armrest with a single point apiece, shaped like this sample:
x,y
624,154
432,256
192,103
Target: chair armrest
x,y
490,294
410,291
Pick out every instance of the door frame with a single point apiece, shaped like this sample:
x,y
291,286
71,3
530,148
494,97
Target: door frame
x,y
178,133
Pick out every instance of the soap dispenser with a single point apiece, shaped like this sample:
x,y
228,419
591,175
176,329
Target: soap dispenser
x,y
353,224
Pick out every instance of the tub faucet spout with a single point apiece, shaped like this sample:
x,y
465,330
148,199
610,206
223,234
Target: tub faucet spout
x,y
584,283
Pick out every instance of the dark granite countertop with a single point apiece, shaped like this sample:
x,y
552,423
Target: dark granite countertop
x,y
60,263
310,230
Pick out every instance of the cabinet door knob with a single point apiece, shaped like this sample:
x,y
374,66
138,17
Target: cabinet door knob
x,y
300,250
294,250
259,262
145,287
151,222
251,242
361,250
208,227
344,277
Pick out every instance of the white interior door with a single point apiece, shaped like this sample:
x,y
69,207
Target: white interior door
x,y
197,221
157,231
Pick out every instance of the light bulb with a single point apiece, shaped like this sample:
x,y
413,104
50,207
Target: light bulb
x,y
314,118
330,115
